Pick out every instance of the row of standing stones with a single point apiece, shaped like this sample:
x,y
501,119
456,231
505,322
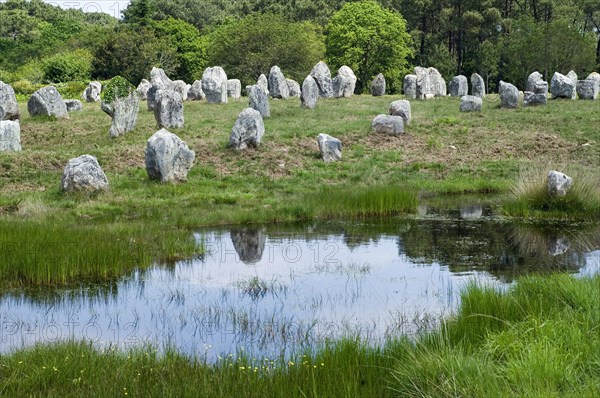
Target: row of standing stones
x,y
168,158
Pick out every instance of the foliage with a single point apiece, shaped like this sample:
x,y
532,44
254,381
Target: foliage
x,y
370,40
117,87
69,66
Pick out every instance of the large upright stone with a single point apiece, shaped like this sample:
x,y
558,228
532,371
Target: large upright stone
x,y
168,158
470,103
181,88
83,174
330,148
169,109
47,102
378,86
123,108
322,75
344,83
459,86
410,86
214,85
401,108
532,80
587,89
143,88
247,131
9,107
423,83
92,92
437,83
540,87
263,83
594,76
158,81
195,92
294,88
388,124
558,184
258,100
310,93
10,136
509,95
562,86
533,99
572,75
278,87
477,85
234,88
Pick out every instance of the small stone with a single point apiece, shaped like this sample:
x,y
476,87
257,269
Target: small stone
x,y
73,105
181,88
143,88
195,92
588,89
83,174
558,184
532,99
330,147
470,103
294,88
92,92
401,108
168,158
388,124
234,88
9,107
247,131
10,136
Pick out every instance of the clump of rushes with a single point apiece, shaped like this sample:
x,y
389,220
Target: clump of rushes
x,y
117,87
530,197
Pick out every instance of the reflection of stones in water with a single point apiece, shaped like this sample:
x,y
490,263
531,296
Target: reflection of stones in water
x,y
249,244
471,212
558,245
422,210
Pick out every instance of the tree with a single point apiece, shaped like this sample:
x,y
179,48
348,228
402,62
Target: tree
x,y
370,40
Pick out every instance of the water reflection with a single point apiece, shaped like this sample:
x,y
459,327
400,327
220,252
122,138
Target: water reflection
x,y
249,243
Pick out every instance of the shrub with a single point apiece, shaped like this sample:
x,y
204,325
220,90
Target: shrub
x,y
68,66
116,87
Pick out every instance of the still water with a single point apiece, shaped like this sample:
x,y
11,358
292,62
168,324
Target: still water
x,y
276,290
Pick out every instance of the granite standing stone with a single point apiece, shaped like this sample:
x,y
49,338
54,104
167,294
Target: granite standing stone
x,y
437,83
47,102
410,86
10,136
322,75
310,93
509,95
214,85
258,100
234,88
247,131
195,93
168,158
344,83
92,92
459,86
388,124
169,109
181,88
124,112
158,81
263,83
562,86
477,85
9,107
83,174
330,148
532,80
143,88
294,88
558,184
401,108
277,84
378,86
587,89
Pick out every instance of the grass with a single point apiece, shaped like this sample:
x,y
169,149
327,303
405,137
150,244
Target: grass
x,y
539,339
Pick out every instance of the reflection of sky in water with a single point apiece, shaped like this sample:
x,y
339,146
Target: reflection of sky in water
x,y
300,293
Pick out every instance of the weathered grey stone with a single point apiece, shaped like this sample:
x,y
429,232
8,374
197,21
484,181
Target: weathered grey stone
x,y
10,136
378,86
73,105
248,130
562,86
234,88
214,85
322,75
533,99
195,93
143,88
263,83
587,89
124,112
470,103
477,85
558,245
258,100
330,147
277,84
181,88
249,243
92,92
540,87
594,76
294,88
9,107
410,86
168,158
169,109
83,174
310,93
344,83
437,84
423,83
532,80
401,108
158,81
573,76
459,86
47,102
558,184
509,95
388,124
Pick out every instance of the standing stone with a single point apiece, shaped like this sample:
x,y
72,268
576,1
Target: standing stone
x,y
533,99
330,147
158,81
388,124
401,108
181,88
73,105
47,102
344,83
10,136
322,75
572,75
234,88
294,88
477,85
277,84
558,184
169,109
470,103
247,131
258,100
540,87
532,80
587,89
310,93
214,85
263,83
562,86
9,107
143,88
168,158
423,83
509,95
410,86
594,76
92,92
195,93
378,86
459,86
83,174
437,83
123,108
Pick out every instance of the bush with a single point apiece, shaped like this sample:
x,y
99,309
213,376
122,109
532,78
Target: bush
x,y
69,66
116,87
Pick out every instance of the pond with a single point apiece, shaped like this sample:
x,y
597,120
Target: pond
x,y
271,291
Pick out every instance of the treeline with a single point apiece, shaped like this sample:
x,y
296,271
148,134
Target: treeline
x,y
500,39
